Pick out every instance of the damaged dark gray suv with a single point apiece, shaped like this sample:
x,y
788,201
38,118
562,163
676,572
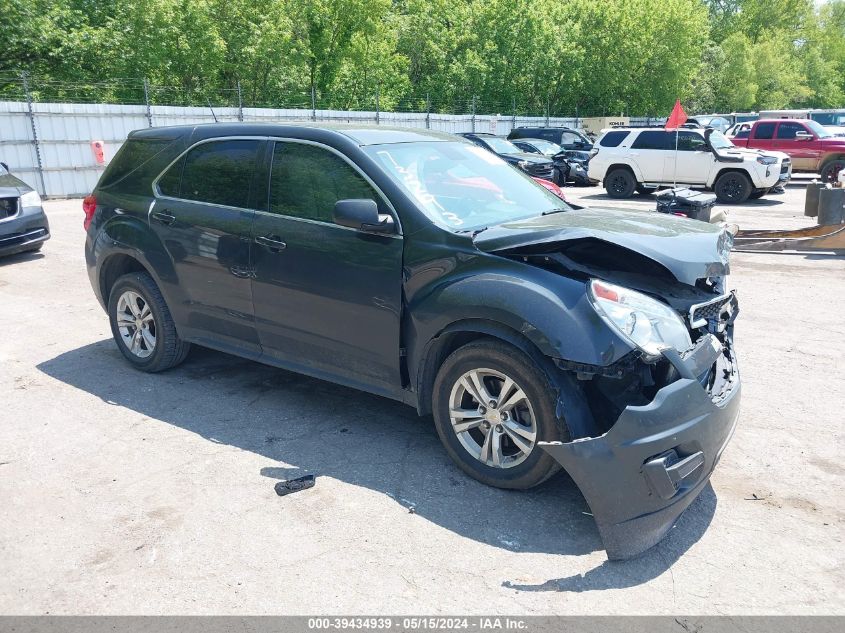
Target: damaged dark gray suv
x,y
423,268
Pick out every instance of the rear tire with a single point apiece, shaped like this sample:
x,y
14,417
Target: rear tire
x,y
620,183
733,187
510,425
142,325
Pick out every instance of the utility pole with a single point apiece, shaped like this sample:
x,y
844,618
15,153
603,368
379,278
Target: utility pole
x,y
313,103
40,165
378,117
427,111
473,113
240,103
147,101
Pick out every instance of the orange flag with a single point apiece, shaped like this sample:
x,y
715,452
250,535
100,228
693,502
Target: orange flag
x,y
677,118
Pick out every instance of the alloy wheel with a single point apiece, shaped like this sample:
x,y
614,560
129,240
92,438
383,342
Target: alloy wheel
x,y
136,324
492,418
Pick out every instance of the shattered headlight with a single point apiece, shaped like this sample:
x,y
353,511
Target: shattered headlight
x,y
650,325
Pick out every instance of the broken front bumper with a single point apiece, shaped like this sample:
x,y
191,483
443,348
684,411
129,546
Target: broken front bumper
x,y
643,473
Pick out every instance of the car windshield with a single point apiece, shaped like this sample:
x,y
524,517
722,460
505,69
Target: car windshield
x,y
572,138
719,141
829,118
818,129
500,145
463,187
547,148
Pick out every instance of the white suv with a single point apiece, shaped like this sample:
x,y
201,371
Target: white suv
x,y
644,159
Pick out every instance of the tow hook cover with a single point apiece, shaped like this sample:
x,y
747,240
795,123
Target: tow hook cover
x,y
666,472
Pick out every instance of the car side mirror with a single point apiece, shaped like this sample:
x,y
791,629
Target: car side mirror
x,y
362,214
803,136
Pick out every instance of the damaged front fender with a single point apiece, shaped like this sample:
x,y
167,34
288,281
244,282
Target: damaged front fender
x,y
653,462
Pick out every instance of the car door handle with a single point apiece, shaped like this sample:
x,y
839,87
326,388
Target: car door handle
x,y
272,242
164,218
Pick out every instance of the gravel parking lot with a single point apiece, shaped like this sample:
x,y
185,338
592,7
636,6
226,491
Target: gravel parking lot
x,y
122,492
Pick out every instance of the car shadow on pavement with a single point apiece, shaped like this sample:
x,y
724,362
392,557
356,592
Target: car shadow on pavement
x,y
760,202
18,258
689,528
328,430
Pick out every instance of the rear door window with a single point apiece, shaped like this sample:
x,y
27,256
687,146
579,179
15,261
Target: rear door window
x,y
613,139
764,131
219,172
306,181
654,139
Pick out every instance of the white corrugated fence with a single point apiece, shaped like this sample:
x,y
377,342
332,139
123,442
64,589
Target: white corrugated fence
x,y
49,145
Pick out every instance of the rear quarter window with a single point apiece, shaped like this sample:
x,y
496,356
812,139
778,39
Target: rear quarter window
x,y
130,166
613,139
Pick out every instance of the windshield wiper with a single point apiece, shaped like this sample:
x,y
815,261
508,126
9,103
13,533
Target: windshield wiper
x,y
558,210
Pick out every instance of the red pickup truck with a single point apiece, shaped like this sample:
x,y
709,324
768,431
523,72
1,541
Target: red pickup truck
x,y
811,147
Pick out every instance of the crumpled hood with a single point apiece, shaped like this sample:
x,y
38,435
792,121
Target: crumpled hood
x,y
689,249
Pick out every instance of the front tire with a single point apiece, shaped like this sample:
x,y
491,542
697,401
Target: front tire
x,y
492,404
733,187
620,183
830,171
142,325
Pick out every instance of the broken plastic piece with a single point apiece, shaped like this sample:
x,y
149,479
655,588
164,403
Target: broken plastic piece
x,y
294,485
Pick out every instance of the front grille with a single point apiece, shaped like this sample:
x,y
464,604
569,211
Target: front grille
x,y
8,207
716,314
545,170
784,166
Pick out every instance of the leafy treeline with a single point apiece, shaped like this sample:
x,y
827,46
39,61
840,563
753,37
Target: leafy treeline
x,y
528,56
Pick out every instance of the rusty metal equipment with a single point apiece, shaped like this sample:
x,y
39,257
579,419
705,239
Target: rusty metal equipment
x,y
826,237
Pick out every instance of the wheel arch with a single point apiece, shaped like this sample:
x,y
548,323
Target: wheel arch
x,y
737,170
115,266
831,158
638,177
455,336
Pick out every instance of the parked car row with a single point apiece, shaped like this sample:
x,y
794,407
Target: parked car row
x,y
556,154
